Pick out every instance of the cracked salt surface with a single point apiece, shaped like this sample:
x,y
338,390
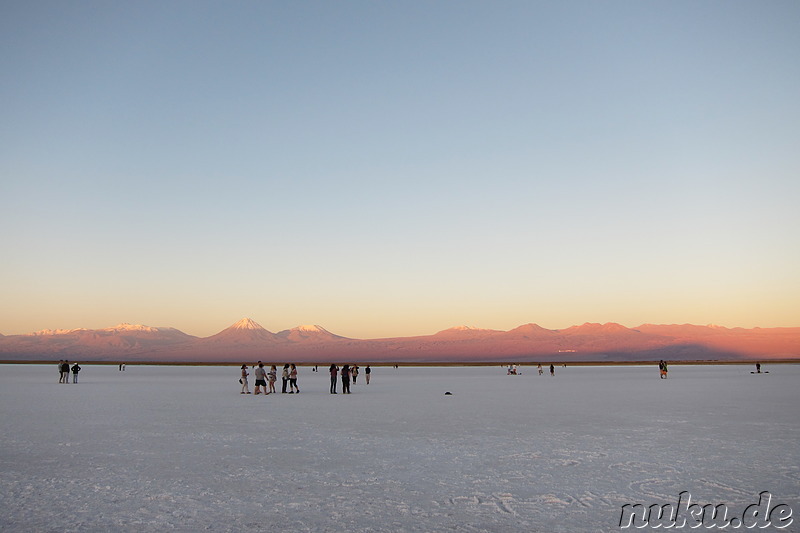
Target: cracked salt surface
x,y
179,449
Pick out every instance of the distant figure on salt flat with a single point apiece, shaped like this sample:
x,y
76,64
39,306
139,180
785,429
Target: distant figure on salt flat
x,y
367,372
285,378
293,388
661,369
346,379
539,368
75,369
243,380
665,370
261,379
758,368
61,371
552,370
65,371
272,377
354,373
334,371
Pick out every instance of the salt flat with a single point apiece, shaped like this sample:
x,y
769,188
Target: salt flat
x,y
178,448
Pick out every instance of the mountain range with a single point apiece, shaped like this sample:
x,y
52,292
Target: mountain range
x,y
247,341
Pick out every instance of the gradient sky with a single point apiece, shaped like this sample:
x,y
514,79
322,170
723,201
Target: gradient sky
x,y
398,168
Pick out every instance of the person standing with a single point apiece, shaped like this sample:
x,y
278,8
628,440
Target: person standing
x,y
61,371
539,368
334,371
243,380
346,379
65,371
75,369
552,370
272,377
293,380
367,372
285,377
666,370
354,373
261,379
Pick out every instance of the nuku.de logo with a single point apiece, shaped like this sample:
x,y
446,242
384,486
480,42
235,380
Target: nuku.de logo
x,y
692,515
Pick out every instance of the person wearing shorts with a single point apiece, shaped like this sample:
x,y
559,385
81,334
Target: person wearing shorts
x,y
261,379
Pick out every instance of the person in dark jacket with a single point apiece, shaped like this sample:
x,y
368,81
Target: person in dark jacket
x,y
75,369
346,379
334,371
285,377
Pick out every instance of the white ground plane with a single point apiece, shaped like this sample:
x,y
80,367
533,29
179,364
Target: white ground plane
x,y
155,449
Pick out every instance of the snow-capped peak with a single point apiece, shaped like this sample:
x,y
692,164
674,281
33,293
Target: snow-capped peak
x,y
131,327
247,323
307,328
45,332
465,330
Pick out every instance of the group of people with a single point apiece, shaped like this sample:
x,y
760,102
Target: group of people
x,y
663,369
265,379
64,370
552,369
346,372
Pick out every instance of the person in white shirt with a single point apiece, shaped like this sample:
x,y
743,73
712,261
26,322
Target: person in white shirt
x,y
243,380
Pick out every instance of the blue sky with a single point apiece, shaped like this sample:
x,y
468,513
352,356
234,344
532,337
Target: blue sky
x,y
389,169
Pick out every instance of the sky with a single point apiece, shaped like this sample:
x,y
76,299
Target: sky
x,y
397,168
